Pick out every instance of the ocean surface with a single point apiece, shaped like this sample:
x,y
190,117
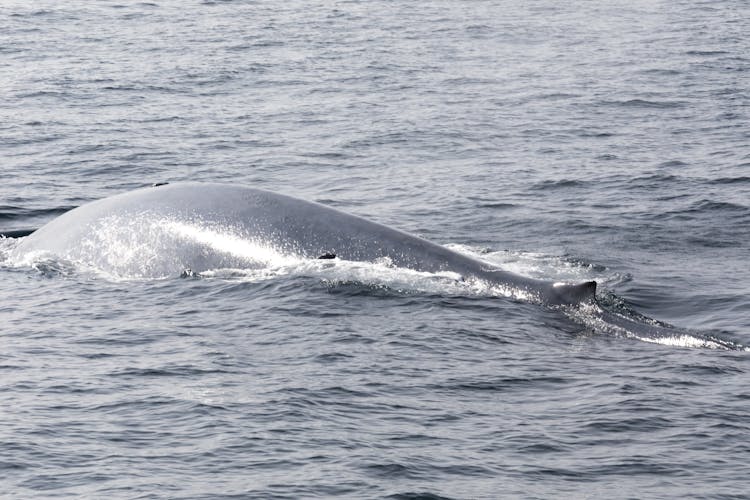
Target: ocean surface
x,y
602,140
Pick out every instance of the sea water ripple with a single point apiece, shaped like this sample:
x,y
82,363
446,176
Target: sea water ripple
x,y
599,140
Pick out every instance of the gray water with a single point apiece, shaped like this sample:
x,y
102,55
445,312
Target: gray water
x,y
600,140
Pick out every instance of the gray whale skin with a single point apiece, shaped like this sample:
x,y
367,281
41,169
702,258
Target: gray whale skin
x,y
138,227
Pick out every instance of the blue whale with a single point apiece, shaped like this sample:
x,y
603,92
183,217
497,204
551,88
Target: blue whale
x,y
164,230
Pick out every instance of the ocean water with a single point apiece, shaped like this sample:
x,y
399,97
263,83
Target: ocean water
x,y
566,141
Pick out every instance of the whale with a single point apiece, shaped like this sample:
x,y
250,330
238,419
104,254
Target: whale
x,y
168,229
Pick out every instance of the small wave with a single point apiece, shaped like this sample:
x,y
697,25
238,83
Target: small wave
x,y
415,495
34,13
721,206
10,212
557,184
500,384
706,52
559,95
672,163
709,207
646,104
172,371
42,93
497,206
594,134
730,180
607,157
653,182
661,71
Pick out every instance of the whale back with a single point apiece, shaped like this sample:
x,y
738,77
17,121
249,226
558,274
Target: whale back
x,y
165,230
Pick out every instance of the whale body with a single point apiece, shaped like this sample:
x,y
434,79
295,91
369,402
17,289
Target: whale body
x,y
165,230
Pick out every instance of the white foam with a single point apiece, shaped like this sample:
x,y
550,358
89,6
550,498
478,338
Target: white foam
x,y
533,264
682,340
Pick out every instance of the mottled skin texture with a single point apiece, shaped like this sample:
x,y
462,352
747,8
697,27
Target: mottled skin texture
x,y
288,225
